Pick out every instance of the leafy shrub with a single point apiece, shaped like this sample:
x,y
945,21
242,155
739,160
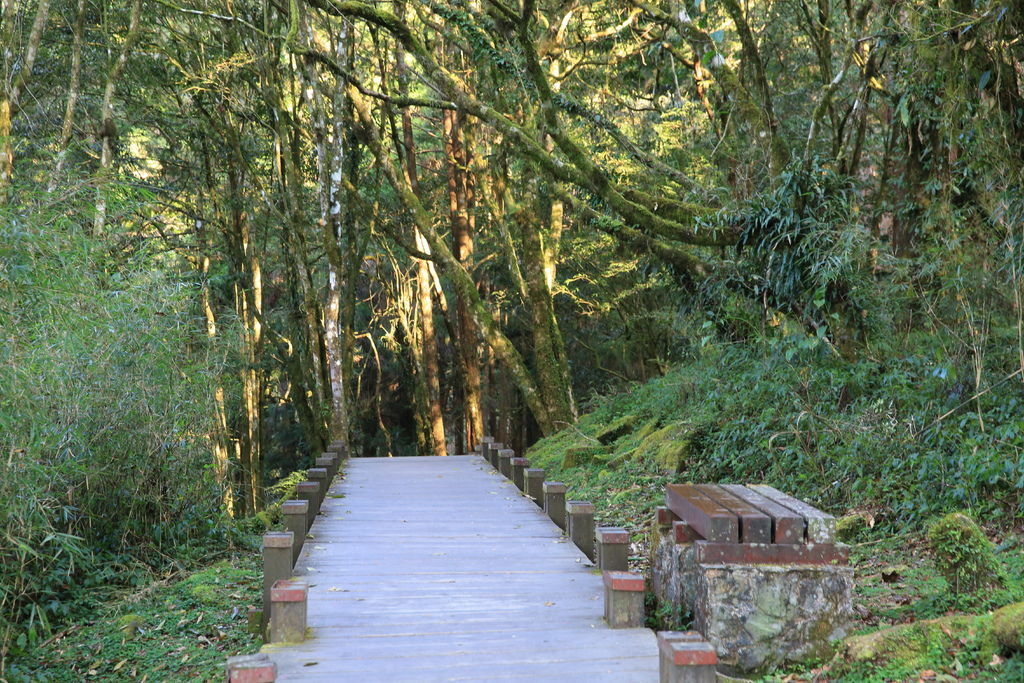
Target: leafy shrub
x,y
106,384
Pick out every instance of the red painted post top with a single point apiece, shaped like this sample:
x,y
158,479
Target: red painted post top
x,y
308,487
684,533
623,581
251,669
689,652
666,516
520,462
610,535
277,539
294,507
286,590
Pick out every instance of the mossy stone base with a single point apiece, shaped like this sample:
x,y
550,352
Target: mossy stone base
x,y
758,616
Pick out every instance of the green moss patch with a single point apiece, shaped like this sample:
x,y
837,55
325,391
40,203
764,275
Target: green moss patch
x,y
1008,626
903,651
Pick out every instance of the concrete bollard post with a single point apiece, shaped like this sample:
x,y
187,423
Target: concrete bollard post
x,y
580,518
277,565
623,599
494,449
340,449
288,611
685,657
612,549
505,456
519,466
485,451
554,502
535,485
295,513
328,461
256,668
319,475
309,491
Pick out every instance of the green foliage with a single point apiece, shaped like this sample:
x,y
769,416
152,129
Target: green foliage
x,y
963,554
803,252
178,630
104,413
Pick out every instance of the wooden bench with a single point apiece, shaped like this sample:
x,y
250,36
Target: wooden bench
x,y
754,524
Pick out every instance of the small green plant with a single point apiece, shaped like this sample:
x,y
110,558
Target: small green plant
x,y
665,616
963,554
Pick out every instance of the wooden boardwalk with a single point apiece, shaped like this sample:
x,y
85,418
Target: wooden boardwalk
x,y
438,569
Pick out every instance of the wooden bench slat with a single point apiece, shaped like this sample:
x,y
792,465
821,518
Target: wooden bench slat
x,y
771,553
821,526
787,526
755,525
707,517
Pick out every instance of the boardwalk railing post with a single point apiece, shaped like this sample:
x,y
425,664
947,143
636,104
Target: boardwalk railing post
x,y
288,611
505,456
612,549
554,502
328,461
256,668
519,466
535,485
580,516
277,565
485,450
295,515
309,491
494,450
623,599
319,475
685,657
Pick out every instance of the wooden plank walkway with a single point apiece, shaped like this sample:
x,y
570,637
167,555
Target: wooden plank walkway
x,y
437,569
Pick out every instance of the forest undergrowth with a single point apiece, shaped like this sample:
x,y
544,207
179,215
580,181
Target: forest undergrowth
x,y
887,441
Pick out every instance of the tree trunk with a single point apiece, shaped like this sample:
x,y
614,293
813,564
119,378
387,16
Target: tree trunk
x,y
74,85
108,129
430,371
460,200
15,74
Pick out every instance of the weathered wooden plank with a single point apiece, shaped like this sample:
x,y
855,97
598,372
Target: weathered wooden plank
x,y
707,517
771,553
755,525
821,526
787,526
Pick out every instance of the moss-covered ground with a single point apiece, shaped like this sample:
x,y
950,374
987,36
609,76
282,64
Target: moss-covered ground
x,y
178,629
